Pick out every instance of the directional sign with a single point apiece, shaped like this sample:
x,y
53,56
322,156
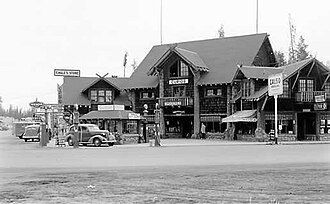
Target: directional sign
x,y
36,104
275,84
67,72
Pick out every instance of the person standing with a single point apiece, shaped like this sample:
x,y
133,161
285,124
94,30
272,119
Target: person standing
x,y
203,127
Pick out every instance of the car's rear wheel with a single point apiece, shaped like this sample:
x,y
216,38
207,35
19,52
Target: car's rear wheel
x,y
111,144
70,141
97,142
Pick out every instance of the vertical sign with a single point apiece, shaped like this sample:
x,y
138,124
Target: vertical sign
x,y
59,94
275,88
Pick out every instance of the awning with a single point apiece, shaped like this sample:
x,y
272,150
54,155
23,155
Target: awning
x,y
112,114
241,116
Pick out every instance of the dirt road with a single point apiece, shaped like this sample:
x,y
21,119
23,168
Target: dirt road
x,y
169,174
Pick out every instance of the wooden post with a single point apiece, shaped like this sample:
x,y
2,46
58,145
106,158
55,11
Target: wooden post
x,y
161,110
229,98
196,105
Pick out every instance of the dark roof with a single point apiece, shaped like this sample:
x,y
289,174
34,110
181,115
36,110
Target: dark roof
x,y
193,58
73,88
252,72
287,70
220,55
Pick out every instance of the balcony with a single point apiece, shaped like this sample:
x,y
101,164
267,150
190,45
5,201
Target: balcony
x,y
309,96
176,101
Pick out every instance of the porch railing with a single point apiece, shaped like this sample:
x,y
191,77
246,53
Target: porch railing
x,y
309,96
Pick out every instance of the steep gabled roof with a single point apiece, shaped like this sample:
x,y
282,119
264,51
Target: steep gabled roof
x,y
287,70
96,81
73,88
220,55
252,72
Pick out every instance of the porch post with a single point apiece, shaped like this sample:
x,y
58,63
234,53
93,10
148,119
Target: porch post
x,y
196,105
161,109
229,98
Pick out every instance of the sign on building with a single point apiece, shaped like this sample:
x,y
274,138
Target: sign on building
x,y
67,72
134,116
275,84
110,107
59,94
178,81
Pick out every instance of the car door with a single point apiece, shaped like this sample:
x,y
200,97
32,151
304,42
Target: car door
x,y
85,134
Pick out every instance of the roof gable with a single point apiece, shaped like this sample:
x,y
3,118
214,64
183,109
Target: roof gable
x,y
73,88
99,80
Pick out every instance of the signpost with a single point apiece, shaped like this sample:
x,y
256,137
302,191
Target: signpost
x,y
275,88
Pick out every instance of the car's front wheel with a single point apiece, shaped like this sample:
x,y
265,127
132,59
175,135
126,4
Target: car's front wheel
x,y
97,142
111,144
70,141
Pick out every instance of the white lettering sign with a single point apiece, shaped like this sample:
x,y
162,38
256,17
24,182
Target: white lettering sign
x,y
275,84
320,98
178,81
172,103
67,72
134,116
110,107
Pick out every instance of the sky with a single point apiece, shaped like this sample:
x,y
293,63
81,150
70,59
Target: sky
x,y
38,36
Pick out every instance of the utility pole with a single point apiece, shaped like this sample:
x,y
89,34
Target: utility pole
x,y
292,37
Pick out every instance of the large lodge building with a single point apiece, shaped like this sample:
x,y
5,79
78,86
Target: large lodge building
x,y
222,83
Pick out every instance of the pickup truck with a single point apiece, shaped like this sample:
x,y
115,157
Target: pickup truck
x,y
90,134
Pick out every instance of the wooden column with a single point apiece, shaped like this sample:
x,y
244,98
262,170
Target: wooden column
x,y
261,114
131,96
161,95
229,98
196,104
317,124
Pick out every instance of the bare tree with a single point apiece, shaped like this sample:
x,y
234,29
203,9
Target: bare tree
x,y
221,32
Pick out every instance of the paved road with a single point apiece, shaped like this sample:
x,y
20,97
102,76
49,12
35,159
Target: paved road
x,y
16,154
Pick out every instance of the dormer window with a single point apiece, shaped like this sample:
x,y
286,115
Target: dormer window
x,y
101,96
179,69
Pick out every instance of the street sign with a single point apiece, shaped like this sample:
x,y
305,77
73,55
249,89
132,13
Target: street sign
x,y
275,84
67,72
36,104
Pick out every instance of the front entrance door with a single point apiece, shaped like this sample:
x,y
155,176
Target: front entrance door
x,y
187,127
306,125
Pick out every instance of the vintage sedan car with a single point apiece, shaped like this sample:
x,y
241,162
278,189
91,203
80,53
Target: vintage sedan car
x,y
31,132
90,134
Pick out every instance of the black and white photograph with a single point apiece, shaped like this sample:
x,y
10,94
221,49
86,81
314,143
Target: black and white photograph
x,y
164,101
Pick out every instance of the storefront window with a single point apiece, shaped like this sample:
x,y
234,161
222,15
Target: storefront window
x,y
285,126
173,126
325,124
215,127
130,127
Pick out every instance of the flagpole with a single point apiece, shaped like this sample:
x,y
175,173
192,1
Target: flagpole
x,y
257,18
161,22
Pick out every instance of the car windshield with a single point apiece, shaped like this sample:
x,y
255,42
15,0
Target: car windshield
x,y
93,128
30,131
